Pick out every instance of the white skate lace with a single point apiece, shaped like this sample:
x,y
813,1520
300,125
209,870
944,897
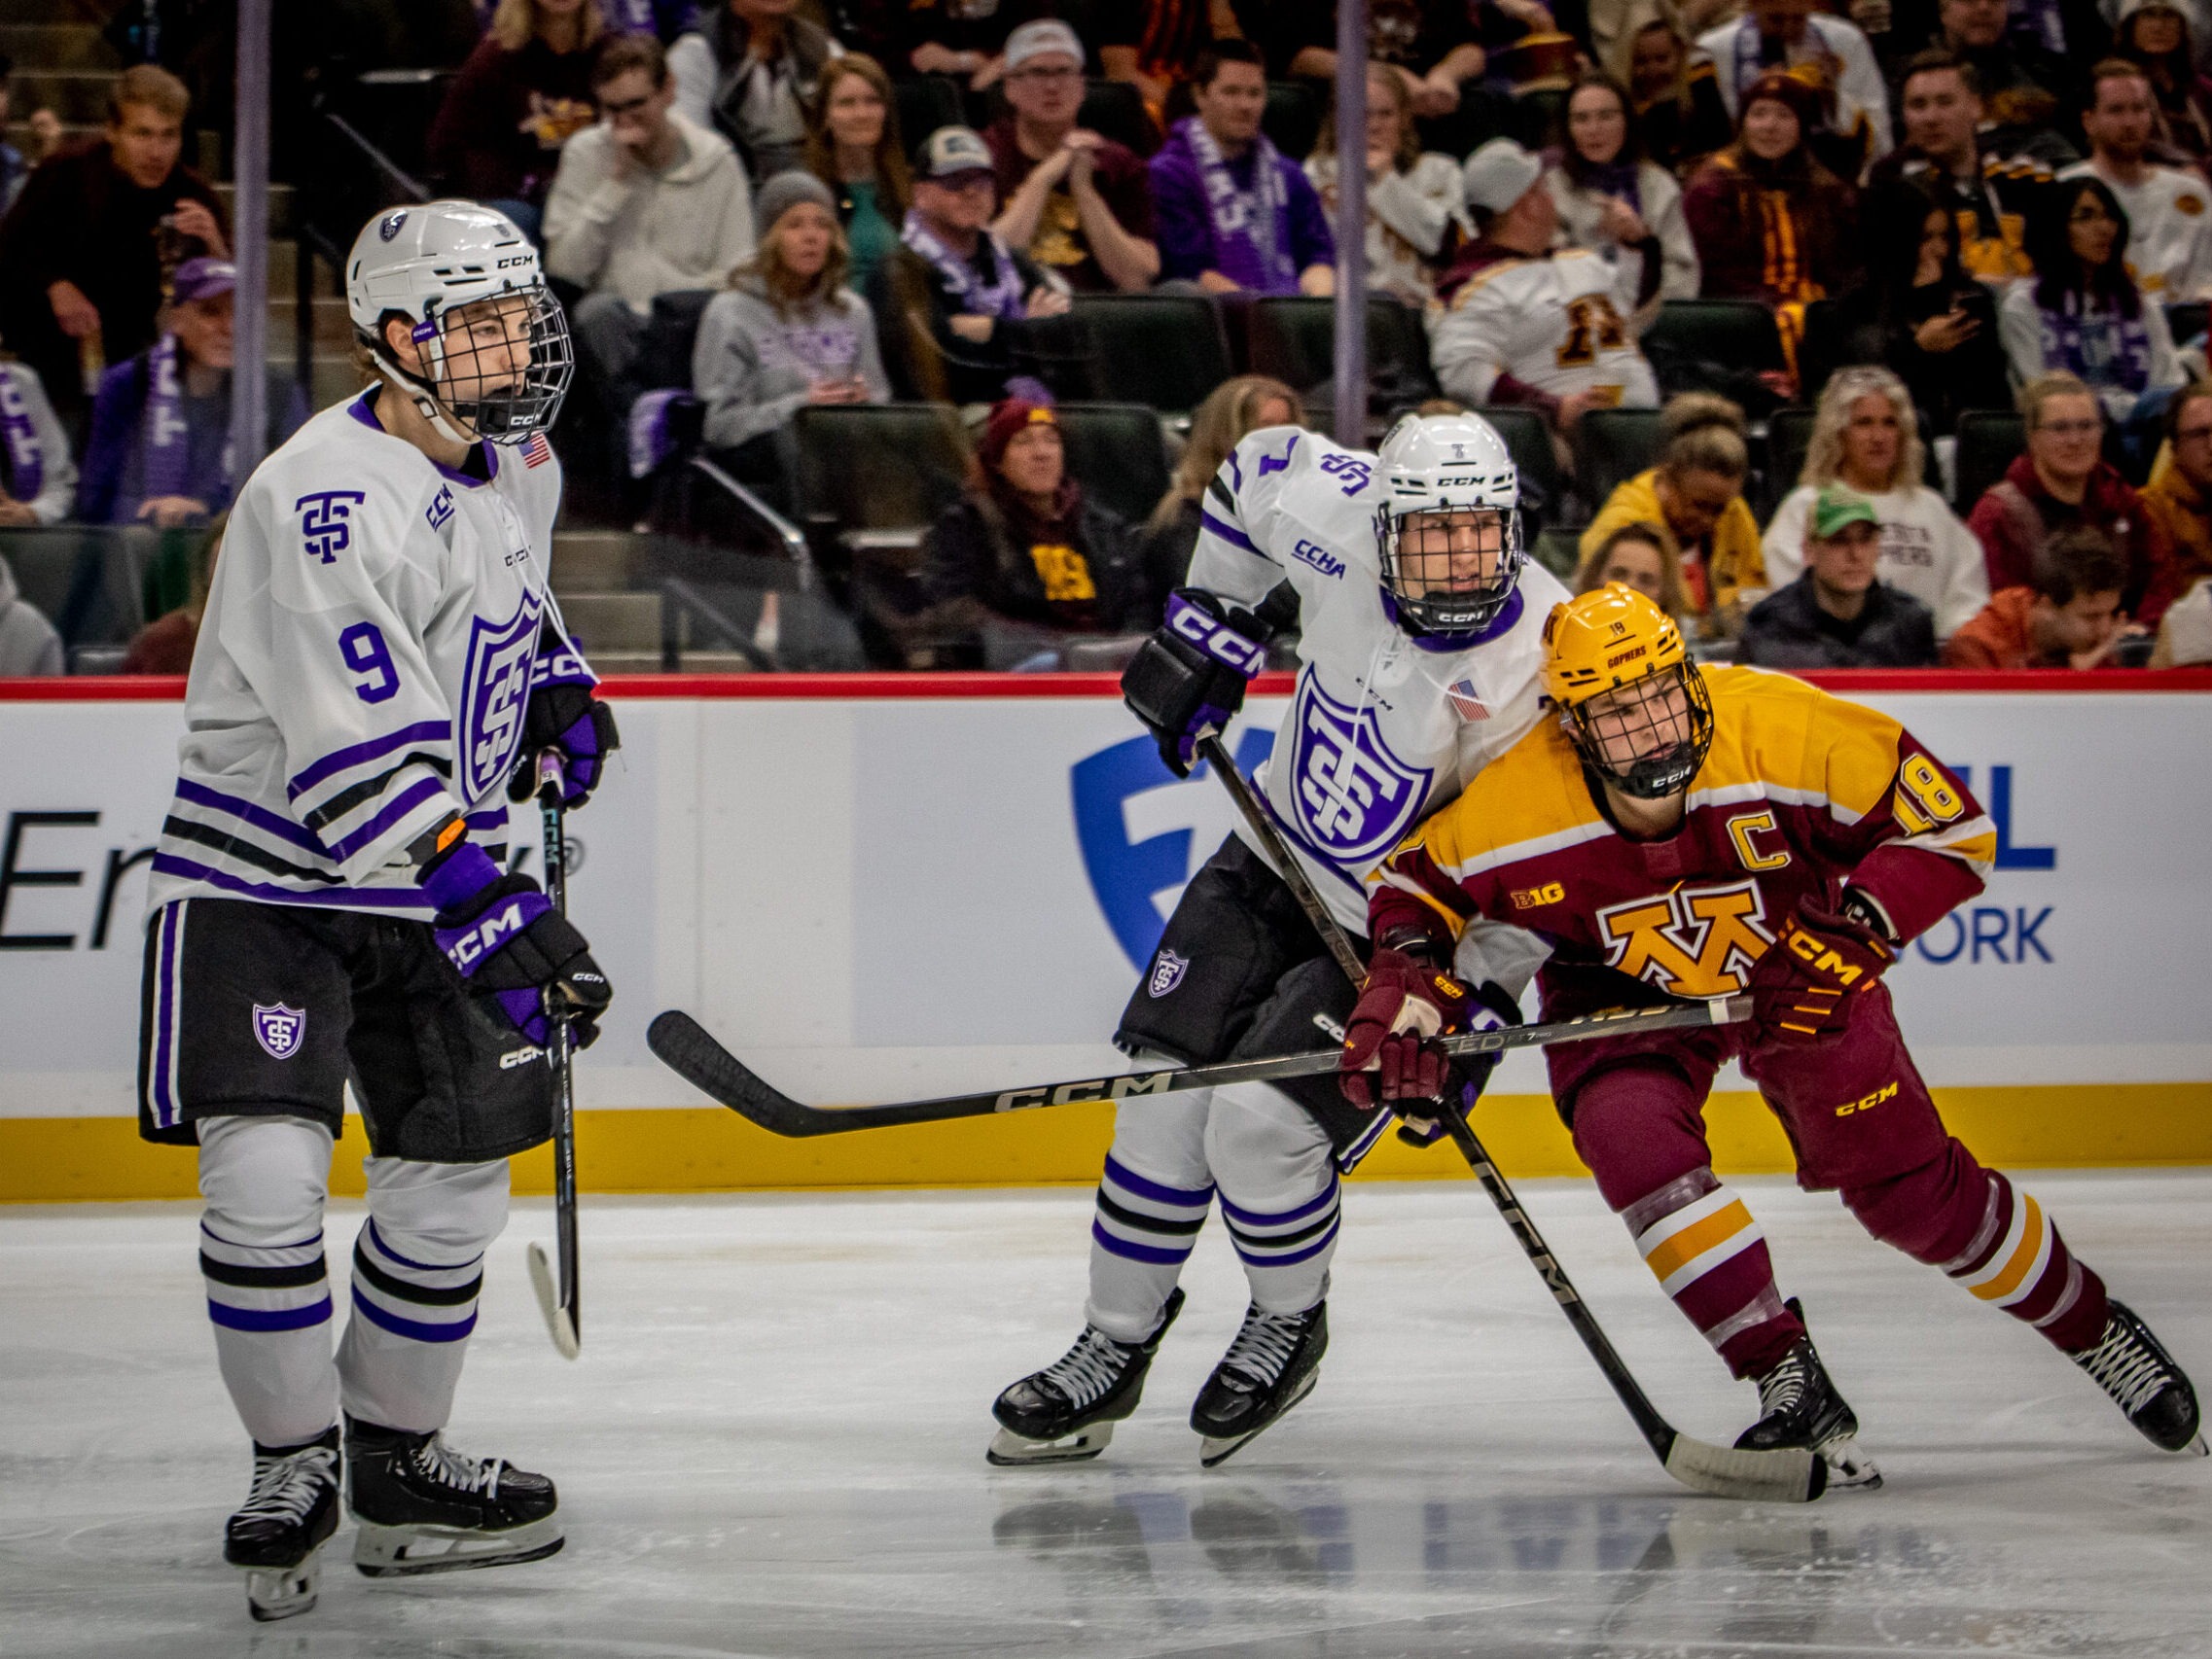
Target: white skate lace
x,y
1089,1369
456,1469
1782,1389
1264,1347
2125,1369
286,1488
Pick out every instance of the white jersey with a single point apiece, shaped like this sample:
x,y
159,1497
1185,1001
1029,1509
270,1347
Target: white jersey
x,y
2169,232
1384,727
1550,322
369,644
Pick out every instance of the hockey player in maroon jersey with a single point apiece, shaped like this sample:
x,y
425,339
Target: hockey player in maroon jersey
x,y
1686,833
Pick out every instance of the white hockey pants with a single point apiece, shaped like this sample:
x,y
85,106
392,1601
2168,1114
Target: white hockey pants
x,y
418,1268
1272,1166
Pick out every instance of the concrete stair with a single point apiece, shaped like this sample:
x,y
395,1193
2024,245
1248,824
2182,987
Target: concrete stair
x,y
592,561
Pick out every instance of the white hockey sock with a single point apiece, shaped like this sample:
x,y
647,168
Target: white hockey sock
x,y
1143,1232
1279,1193
261,1256
418,1270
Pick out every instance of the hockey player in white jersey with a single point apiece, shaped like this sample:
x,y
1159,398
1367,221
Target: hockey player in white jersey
x,y
1420,639
329,900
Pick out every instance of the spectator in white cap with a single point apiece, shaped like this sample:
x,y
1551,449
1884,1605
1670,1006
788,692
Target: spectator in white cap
x,y
1077,202
1523,324
787,334
953,301
646,201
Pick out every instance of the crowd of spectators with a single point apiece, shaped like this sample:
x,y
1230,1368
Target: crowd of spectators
x,y
1950,207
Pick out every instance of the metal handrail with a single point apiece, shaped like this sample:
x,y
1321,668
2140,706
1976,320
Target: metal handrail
x,y
680,598
406,184
793,539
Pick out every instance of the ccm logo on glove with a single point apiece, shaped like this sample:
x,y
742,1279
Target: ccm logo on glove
x,y
484,937
1216,638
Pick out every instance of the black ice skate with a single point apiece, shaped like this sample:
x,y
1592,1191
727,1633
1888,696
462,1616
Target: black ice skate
x,y
1067,1411
2143,1381
289,1516
1273,1364
1802,1409
423,1507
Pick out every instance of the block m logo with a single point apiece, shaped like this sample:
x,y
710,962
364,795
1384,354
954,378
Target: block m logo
x,y
1695,942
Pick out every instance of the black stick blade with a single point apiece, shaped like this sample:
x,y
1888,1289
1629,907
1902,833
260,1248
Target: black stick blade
x,y
684,1046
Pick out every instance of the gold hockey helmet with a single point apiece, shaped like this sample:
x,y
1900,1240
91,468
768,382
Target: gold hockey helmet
x,y
1649,744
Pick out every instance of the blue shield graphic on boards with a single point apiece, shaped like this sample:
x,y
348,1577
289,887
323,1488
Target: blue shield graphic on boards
x,y
1127,875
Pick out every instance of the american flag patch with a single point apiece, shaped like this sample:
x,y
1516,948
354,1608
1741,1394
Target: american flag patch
x,y
1464,698
536,452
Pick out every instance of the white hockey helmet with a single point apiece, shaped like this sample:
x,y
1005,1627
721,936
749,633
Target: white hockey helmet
x,y
427,261
1458,465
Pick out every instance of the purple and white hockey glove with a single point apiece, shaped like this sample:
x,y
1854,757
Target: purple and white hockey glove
x,y
1189,679
563,715
503,935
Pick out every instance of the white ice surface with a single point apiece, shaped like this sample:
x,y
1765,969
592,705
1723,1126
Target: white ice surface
x,y
774,1443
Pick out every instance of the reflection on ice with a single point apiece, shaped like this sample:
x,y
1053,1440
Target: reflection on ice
x,y
773,1446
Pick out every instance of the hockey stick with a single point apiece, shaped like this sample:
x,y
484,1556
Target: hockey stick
x,y
559,1304
1787,1476
687,1048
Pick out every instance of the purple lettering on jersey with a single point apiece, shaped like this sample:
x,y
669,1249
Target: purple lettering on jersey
x,y
495,688
1353,798
1276,463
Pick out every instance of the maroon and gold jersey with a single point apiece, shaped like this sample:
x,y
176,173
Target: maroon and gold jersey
x,y
1801,790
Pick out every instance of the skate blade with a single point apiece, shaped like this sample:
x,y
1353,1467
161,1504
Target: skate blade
x,y
276,1593
1008,1450
1213,1453
2198,1447
401,1552
1848,1467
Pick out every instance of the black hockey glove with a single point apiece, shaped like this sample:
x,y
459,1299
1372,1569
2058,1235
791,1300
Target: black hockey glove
x,y
567,718
1189,679
508,942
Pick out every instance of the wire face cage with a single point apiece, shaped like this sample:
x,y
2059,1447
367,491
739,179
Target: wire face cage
x,y
503,364
1649,738
1451,570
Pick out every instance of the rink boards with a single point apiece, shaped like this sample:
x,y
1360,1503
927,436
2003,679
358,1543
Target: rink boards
x,y
885,887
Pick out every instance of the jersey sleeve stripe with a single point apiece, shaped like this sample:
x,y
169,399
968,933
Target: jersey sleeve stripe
x,y
400,898
361,754
231,845
1219,491
392,815
1229,533
261,818
367,790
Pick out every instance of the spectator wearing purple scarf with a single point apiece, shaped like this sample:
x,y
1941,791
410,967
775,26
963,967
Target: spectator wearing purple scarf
x,y
159,449
38,478
1232,213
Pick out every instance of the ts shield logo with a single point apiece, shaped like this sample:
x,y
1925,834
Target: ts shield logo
x,y
1118,794
279,1029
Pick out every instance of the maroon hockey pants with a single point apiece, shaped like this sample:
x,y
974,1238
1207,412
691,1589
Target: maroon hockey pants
x,y
1862,1123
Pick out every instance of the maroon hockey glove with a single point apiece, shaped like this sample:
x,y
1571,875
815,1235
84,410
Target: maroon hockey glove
x,y
1386,1056
1801,988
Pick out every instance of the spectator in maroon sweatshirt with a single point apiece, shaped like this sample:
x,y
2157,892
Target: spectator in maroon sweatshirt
x,y
2062,481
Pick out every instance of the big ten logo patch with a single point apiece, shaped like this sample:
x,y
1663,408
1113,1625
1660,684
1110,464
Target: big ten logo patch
x,y
1695,942
1143,832
326,528
1531,897
1867,1102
